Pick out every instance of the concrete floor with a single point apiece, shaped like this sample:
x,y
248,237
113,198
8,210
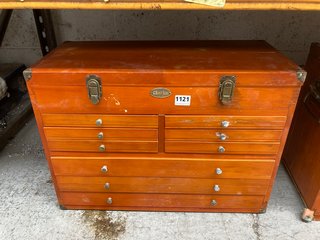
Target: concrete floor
x,y
29,210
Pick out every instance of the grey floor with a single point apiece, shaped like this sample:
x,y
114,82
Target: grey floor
x,y
29,210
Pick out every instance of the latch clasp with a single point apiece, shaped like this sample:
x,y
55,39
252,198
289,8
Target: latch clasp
x,y
94,88
226,88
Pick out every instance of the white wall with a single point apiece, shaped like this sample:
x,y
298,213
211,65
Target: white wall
x,y
291,32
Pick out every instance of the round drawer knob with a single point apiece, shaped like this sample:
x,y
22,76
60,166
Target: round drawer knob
x,y
104,169
221,149
213,202
99,122
107,186
221,136
102,148
100,135
218,171
109,200
216,187
225,123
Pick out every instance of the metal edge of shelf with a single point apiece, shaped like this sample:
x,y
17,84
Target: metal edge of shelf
x,y
294,6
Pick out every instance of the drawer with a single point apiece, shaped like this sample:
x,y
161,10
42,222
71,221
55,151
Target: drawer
x,y
160,200
169,167
102,146
163,185
100,133
222,148
90,120
220,134
212,121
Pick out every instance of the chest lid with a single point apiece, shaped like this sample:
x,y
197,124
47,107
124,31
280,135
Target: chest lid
x,y
166,63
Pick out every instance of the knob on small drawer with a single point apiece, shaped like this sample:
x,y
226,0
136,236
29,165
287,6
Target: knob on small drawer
x,y
225,123
104,169
218,171
221,136
102,148
213,203
109,200
221,149
216,188
100,135
99,122
107,186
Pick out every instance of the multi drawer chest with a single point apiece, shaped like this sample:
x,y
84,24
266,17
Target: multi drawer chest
x,y
164,126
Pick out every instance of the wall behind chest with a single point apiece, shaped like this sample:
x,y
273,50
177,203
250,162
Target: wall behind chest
x,y
291,32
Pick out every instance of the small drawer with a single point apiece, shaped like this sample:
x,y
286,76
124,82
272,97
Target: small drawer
x,y
222,135
166,167
95,120
160,200
163,185
102,146
222,148
215,121
100,133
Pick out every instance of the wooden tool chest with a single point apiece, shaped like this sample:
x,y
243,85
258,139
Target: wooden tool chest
x,y
164,126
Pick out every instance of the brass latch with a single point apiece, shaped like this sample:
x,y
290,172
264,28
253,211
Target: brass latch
x,y
226,88
94,88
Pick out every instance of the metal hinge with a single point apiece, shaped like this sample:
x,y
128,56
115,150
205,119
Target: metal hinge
x,y
27,74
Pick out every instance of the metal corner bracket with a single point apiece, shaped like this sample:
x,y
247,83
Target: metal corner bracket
x,y
301,75
27,74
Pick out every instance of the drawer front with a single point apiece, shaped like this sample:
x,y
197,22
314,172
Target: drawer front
x,y
163,185
102,146
138,100
126,167
221,148
100,133
212,121
90,120
222,135
160,200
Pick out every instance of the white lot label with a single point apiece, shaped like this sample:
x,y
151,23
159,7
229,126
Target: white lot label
x,y
182,100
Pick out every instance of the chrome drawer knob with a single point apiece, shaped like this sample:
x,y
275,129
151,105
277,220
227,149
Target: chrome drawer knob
x,y
100,135
221,136
213,202
107,186
225,123
102,148
104,169
216,188
218,171
221,149
99,122
109,200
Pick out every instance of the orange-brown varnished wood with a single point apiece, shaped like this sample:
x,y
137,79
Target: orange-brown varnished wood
x,y
302,153
175,167
110,145
89,120
163,185
215,121
159,156
108,133
230,147
214,134
160,200
137,100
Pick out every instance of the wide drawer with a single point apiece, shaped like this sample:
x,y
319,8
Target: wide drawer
x,y
102,146
217,121
222,148
170,167
228,134
160,200
90,120
100,133
163,185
